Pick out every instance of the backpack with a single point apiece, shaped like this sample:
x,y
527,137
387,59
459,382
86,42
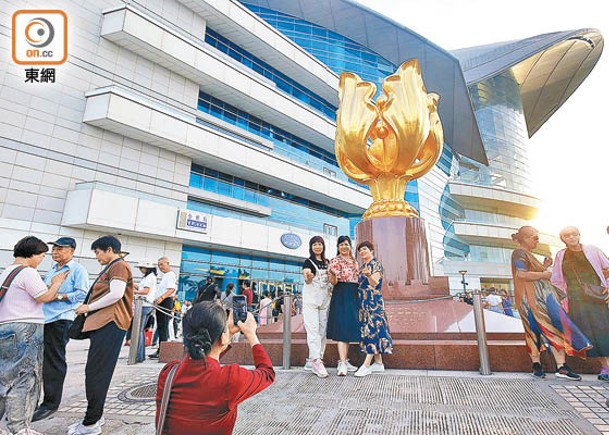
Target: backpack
x,y
207,293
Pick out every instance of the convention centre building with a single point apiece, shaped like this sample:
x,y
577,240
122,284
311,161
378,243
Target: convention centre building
x,y
203,130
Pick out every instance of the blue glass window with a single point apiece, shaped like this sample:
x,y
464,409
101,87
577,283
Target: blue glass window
x,y
287,209
282,81
285,142
337,52
226,267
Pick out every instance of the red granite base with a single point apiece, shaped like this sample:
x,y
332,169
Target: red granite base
x,y
505,356
431,335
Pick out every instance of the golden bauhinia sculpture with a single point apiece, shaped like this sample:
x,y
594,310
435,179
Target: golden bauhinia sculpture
x,y
387,144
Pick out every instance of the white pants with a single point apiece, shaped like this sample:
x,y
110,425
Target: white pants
x,y
315,307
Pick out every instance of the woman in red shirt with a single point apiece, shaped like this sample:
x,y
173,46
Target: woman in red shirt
x,y
205,395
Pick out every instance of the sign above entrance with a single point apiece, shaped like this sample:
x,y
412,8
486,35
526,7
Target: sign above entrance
x,y
193,221
291,240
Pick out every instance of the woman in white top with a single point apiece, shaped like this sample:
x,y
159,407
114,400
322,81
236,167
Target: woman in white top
x,y
22,332
315,304
147,286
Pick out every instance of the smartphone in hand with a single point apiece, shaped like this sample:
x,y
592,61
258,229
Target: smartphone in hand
x,y
239,308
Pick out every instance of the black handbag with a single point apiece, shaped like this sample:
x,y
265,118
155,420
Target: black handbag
x,y
75,331
592,292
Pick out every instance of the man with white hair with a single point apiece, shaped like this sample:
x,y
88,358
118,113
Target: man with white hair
x,y
164,298
58,317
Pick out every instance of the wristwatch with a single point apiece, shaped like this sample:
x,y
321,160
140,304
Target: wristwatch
x,y
61,296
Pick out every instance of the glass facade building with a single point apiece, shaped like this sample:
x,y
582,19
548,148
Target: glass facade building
x,y
499,115
211,126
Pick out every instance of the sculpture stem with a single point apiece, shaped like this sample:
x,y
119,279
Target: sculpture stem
x,y
387,186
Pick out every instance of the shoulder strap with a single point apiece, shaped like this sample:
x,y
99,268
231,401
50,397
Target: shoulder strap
x,y
98,277
9,280
160,421
314,263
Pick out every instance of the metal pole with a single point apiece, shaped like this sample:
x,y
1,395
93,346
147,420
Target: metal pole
x,y
135,328
485,365
287,329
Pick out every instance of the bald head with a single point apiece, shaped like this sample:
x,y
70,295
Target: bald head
x,y
570,236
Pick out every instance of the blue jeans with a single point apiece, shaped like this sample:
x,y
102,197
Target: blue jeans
x,y
141,346
21,350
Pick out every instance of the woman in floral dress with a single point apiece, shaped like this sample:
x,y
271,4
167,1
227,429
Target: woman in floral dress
x,y
374,328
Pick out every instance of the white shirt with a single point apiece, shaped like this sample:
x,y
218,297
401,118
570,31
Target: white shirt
x,y
168,281
493,300
150,282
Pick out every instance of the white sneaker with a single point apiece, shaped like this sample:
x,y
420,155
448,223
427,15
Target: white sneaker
x,y
81,429
308,365
377,368
101,422
341,368
363,371
350,367
319,369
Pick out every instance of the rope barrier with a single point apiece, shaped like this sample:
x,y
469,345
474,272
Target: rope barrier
x,y
407,301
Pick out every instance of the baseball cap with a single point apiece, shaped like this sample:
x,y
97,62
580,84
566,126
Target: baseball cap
x,y
64,242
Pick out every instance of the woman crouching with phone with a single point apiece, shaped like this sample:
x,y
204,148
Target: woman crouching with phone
x,y
204,395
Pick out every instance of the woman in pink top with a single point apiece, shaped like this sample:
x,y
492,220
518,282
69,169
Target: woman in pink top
x,y
343,319
21,333
575,267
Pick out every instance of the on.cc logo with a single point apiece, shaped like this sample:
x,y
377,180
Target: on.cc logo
x,y
40,37
39,32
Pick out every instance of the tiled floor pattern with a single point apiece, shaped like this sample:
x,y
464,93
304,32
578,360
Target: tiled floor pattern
x,y
590,401
299,403
398,404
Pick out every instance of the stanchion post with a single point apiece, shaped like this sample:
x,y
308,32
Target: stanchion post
x,y
135,328
287,329
485,365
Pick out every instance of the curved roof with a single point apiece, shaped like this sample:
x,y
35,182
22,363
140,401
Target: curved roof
x,y
548,68
441,70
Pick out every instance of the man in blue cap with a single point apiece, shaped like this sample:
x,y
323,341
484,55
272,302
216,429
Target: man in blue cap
x,y
58,317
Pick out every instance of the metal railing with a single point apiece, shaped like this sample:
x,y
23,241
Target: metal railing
x,y
288,297
135,329
485,365
287,329
137,324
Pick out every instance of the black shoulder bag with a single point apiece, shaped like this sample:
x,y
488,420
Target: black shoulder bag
x,y
75,332
591,292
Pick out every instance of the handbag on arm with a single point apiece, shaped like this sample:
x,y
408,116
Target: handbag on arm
x,y
75,330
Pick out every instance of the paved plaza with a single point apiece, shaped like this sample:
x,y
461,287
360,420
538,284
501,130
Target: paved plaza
x,y
395,402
